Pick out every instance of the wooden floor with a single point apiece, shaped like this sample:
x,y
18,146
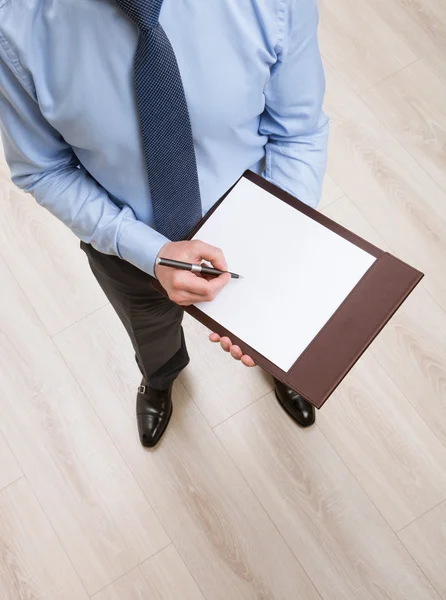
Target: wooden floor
x,y
238,503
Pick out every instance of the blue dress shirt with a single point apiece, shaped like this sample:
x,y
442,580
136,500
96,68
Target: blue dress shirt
x,y
253,81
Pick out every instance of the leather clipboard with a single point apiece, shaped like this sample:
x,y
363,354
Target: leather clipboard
x,y
351,329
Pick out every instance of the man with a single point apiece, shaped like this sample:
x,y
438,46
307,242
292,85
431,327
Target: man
x,y
129,119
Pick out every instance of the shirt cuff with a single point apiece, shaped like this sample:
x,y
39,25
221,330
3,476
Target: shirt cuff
x,y
139,245
300,191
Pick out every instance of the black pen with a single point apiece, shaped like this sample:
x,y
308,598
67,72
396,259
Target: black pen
x,y
184,266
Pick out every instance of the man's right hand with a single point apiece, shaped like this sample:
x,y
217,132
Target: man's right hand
x,y
184,287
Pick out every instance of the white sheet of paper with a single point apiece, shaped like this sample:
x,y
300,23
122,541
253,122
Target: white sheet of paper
x,y
296,272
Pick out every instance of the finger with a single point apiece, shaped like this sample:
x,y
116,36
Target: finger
x,y
204,276
183,298
214,337
185,281
236,352
215,285
247,361
189,282
225,343
211,253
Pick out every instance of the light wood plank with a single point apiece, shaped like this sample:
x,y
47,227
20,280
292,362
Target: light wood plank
x,y
412,105
222,533
98,511
412,347
5,174
330,192
389,187
162,577
5,181
318,506
394,455
46,261
219,385
359,44
347,214
9,467
421,23
34,564
336,533
426,541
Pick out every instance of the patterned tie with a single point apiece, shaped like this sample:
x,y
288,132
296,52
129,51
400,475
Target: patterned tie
x,y
165,124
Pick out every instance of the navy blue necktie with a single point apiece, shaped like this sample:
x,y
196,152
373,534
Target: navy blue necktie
x,y
165,124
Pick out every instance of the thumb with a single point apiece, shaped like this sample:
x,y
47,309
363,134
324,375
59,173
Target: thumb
x,y
211,254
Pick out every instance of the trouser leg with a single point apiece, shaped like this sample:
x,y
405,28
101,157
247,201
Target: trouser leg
x,y
152,321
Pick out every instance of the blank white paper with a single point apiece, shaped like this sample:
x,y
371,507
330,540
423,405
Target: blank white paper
x,y
296,272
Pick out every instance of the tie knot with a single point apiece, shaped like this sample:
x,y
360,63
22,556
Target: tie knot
x,y
145,13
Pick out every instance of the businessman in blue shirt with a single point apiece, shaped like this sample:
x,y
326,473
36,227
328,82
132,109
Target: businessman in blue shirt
x,y
129,119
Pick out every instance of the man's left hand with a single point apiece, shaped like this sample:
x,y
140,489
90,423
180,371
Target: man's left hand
x,y
235,351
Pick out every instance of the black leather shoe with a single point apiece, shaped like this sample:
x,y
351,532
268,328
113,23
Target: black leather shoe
x,y
153,412
297,407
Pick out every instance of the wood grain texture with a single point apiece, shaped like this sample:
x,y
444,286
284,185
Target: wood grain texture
x,y
347,214
162,577
412,347
357,42
426,541
5,175
222,533
9,467
412,105
398,198
33,564
421,24
38,249
306,525
99,513
219,385
334,530
330,193
391,451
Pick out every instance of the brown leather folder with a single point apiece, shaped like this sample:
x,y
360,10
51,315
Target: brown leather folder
x,y
350,330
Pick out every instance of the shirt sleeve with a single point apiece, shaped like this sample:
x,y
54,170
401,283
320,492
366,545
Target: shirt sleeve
x,y
42,163
293,119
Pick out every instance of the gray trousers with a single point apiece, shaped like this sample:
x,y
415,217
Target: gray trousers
x,y
152,321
